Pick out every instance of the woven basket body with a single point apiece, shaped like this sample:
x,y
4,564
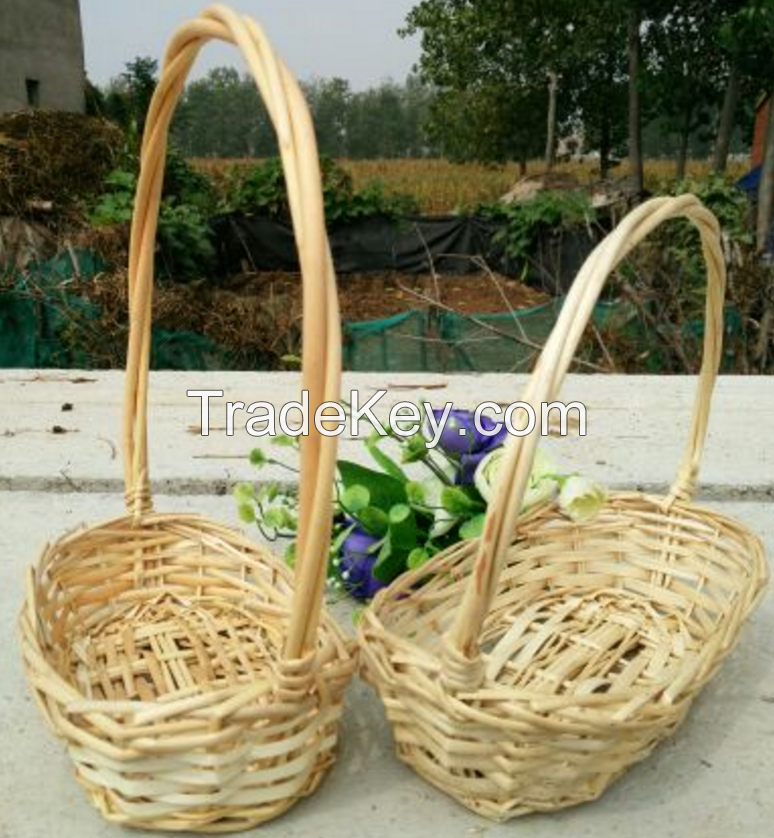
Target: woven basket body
x,y
196,681
526,671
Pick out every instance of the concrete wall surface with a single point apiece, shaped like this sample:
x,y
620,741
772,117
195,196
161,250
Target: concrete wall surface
x,y
41,42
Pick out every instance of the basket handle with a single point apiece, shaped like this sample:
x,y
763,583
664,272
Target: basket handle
x,y
462,661
321,326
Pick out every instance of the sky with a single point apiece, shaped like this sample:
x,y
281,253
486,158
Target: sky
x,y
353,39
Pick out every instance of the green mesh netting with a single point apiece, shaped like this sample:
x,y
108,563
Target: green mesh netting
x,y
43,325
445,342
497,342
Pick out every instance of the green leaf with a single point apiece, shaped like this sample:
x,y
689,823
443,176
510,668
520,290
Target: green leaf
x,y
270,492
403,528
457,502
390,564
374,521
246,513
385,462
290,554
375,437
473,527
415,449
244,493
258,458
355,498
417,557
280,518
385,490
415,492
285,441
399,514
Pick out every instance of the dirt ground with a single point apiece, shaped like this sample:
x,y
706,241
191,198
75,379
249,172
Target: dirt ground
x,y
375,296
261,314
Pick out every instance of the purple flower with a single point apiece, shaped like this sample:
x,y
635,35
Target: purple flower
x,y
471,447
467,467
356,565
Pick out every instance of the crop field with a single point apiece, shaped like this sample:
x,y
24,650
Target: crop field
x,y
440,186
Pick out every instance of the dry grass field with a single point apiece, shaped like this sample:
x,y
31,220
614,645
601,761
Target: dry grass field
x,y
442,187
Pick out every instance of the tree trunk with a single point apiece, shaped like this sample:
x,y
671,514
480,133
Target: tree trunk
x,y
606,128
553,85
605,146
766,189
682,151
727,117
523,165
635,121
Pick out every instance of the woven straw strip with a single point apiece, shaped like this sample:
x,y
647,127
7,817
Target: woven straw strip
x,y
321,330
546,382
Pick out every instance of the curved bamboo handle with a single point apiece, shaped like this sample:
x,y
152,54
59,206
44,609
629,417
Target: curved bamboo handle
x,y
321,328
462,659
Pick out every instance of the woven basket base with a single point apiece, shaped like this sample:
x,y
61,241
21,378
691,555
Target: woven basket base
x,y
155,651
599,637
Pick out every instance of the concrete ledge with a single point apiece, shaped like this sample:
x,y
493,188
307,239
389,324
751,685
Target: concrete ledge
x,y
713,780
637,427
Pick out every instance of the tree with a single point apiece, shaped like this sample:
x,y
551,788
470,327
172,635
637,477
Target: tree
x,y
374,121
504,52
474,47
222,115
553,92
600,93
329,101
139,84
686,70
127,98
746,44
462,127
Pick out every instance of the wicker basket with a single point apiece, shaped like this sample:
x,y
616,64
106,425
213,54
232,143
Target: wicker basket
x,y
525,672
197,683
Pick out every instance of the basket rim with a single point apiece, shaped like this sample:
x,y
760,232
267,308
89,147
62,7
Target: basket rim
x,y
378,637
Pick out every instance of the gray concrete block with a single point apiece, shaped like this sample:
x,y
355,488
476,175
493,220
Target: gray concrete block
x,y
713,780
41,41
637,427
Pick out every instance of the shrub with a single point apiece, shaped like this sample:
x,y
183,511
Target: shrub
x,y
547,211
261,190
184,236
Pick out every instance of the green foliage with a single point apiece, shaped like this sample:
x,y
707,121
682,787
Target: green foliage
x,y
116,204
548,210
500,53
221,115
184,183
185,245
677,246
262,190
729,205
184,239
656,324
490,62
126,99
489,123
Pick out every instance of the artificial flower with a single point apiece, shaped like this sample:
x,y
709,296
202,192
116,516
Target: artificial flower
x,y
543,480
456,444
356,564
581,499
